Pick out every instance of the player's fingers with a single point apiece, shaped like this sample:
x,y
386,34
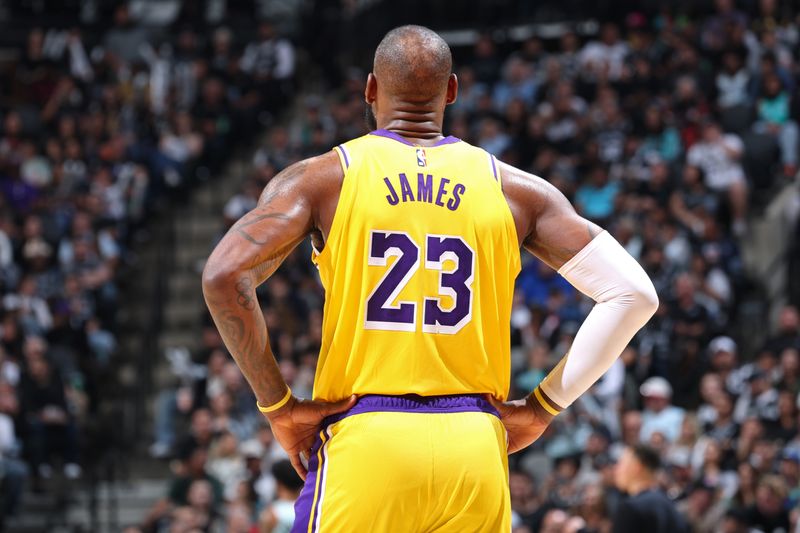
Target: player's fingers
x,y
337,407
307,445
500,406
298,465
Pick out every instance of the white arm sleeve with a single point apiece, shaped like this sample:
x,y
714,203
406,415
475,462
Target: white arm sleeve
x,y
626,299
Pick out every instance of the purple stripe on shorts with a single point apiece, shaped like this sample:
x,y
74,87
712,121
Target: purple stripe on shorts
x,y
392,135
412,403
344,154
315,515
302,507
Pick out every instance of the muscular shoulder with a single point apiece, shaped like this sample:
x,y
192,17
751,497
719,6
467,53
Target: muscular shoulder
x,y
313,176
547,224
313,183
529,197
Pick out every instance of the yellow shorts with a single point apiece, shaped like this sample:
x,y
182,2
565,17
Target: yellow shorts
x,y
408,464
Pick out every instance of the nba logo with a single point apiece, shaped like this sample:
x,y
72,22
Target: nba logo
x,y
421,157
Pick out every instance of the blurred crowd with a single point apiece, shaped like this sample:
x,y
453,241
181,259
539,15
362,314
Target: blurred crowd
x,y
97,133
667,129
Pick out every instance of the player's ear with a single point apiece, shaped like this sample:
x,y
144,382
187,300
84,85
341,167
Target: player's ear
x,y
452,89
371,90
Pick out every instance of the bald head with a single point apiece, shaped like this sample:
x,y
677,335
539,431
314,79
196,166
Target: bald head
x,y
413,63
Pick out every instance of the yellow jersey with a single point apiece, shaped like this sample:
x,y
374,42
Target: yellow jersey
x,y
418,270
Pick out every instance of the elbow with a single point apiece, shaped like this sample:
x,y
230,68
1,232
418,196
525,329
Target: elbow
x,y
646,299
217,277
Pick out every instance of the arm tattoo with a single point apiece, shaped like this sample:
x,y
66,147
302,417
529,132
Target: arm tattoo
x,y
246,222
249,348
235,308
246,295
276,187
266,264
231,326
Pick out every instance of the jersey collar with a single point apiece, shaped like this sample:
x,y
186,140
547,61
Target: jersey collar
x,y
392,135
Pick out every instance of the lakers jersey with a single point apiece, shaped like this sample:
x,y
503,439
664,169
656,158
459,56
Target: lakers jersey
x,y
418,270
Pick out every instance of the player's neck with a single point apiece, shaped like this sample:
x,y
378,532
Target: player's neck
x,y
418,127
637,486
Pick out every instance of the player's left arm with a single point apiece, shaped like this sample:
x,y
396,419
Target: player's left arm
x,y
595,264
292,206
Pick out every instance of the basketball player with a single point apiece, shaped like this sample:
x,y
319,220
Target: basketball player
x,y
417,239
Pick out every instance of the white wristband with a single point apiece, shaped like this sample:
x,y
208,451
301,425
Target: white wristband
x,y
626,299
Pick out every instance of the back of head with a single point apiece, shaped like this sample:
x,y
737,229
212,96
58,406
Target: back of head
x,y
286,476
647,456
413,63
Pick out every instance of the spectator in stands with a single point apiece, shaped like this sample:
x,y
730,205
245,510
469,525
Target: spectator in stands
x,y
227,464
723,428
596,199
605,58
191,486
734,82
788,334
492,138
201,503
279,516
243,202
201,433
647,508
180,146
518,83
485,62
271,63
774,118
660,138
49,427
790,370
759,400
658,415
768,513
702,509
124,41
718,155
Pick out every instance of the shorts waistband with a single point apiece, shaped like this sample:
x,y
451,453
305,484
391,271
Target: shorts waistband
x,y
413,403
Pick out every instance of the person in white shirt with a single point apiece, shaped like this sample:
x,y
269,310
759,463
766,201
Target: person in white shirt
x,y
718,154
270,56
278,517
605,56
659,416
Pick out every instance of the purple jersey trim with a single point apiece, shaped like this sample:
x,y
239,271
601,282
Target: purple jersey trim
x,y
344,155
447,140
412,403
392,135
494,166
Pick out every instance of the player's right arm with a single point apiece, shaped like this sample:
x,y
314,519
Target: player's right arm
x,y
595,264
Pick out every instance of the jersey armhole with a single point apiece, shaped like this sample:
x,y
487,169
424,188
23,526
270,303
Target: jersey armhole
x,y
320,256
495,170
344,157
